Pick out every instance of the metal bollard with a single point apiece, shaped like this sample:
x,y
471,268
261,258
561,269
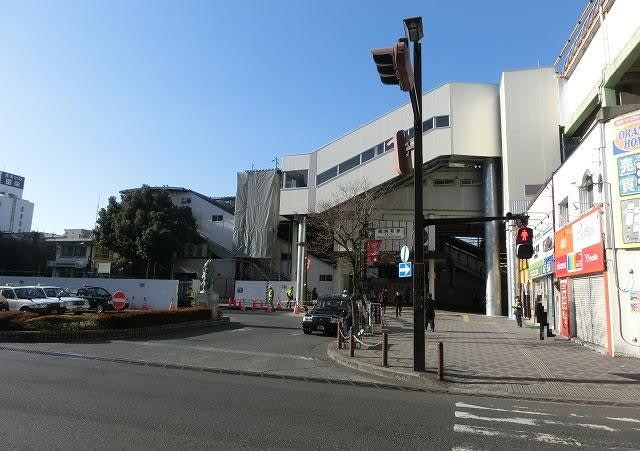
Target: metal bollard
x,y
440,361
339,335
385,346
352,343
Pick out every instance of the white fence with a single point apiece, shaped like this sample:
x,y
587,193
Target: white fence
x,y
252,289
142,293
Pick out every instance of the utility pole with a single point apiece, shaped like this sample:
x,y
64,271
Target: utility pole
x,y
394,67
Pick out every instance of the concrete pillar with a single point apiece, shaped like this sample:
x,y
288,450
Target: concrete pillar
x,y
491,238
302,236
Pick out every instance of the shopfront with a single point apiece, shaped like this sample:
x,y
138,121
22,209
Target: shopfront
x,y
580,268
541,274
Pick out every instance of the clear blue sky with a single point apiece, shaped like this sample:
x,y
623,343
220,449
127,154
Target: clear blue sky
x,y
98,96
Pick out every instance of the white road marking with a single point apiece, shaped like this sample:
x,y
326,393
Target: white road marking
x,y
295,333
463,448
222,350
517,420
471,406
244,329
628,420
600,427
539,437
577,416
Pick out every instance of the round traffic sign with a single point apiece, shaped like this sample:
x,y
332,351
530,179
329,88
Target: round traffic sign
x,y
404,254
119,300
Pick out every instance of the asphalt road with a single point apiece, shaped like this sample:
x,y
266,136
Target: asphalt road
x,y
68,401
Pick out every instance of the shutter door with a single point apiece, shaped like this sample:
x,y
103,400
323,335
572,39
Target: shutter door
x,y
588,298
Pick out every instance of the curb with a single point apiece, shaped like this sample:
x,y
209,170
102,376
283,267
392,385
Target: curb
x,y
427,382
26,336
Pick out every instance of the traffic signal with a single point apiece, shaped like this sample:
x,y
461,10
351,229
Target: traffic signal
x,y
394,65
524,243
400,142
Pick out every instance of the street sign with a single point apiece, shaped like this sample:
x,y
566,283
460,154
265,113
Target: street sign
x,y
404,269
404,254
119,299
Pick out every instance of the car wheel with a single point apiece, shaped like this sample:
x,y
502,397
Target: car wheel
x,y
306,331
99,308
25,309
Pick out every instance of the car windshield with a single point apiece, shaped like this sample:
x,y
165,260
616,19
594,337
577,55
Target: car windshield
x,y
30,293
100,292
54,292
331,304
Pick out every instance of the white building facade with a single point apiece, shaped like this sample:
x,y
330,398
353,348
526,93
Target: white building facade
x,y
16,213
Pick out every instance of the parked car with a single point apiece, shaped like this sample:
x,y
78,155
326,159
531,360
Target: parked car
x,y
69,303
4,304
324,316
28,299
100,300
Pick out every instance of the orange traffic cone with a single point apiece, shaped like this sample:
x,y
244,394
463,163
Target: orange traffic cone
x,y
242,305
279,305
296,310
253,305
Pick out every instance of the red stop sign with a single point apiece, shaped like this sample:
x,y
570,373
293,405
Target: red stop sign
x,y
119,300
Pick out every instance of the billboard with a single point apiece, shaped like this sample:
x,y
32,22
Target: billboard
x,y
12,180
541,263
579,248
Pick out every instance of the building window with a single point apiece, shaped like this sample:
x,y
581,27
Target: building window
x,y
326,277
531,190
327,175
349,164
380,149
585,193
20,223
72,251
388,145
295,179
563,212
427,125
444,182
368,154
185,200
470,182
21,209
442,121
410,132
216,218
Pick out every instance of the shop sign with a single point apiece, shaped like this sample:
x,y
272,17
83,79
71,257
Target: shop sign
x,y
541,263
627,133
578,246
389,233
629,175
630,209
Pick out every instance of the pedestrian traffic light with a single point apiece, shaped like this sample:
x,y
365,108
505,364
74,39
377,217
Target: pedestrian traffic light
x,y
400,143
524,243
394,65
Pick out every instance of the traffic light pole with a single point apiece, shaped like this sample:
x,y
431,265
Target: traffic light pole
x,y
419,267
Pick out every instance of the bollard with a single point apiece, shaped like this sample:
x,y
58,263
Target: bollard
x,y
385,345
440,361
339,335
352,343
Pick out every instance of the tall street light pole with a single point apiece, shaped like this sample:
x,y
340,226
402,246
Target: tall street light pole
x,y
395,68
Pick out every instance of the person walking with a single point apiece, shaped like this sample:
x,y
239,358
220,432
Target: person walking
x,y
517,310
397,300
314,296
289,296
269,295
430,313
382,298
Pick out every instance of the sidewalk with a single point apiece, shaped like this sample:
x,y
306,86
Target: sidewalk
x,y
491,356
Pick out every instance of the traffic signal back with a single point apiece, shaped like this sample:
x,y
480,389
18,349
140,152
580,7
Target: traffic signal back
x,y
400,142
394,65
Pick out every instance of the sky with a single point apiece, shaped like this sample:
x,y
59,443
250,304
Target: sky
x,y
101,96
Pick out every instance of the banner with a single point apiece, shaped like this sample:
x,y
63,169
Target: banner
x,y
373,251
579,248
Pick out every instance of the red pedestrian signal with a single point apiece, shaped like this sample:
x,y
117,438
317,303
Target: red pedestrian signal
x,y
394,65
524,243
400,143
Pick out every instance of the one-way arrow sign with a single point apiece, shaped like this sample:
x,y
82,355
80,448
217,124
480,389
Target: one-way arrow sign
x,y
404,269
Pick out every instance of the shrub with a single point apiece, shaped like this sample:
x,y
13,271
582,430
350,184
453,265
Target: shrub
x,y
145,318
14,320
58,322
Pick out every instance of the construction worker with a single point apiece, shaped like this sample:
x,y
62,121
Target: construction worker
x,y
269,295
289,296
190,296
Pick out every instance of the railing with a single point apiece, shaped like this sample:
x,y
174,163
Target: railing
x,y
465,260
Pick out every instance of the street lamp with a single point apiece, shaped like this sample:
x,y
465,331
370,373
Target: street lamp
x,y
394,67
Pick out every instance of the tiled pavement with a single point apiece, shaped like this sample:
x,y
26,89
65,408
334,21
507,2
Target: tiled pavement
x,y
490,355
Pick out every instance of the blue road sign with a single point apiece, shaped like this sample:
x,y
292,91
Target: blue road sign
x,y
404,269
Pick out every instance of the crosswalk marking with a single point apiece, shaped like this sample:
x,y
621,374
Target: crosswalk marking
x,y
472,406
470,416
628,420
537,436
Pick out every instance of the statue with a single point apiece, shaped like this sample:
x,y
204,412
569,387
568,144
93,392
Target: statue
x,y
206,282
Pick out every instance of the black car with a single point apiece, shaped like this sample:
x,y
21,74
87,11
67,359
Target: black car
x,y
99,298
325,315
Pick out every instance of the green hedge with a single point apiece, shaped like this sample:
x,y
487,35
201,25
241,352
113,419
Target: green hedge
x,y
110,320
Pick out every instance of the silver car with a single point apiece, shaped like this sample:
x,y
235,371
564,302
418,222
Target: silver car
x,y
68,303
28,299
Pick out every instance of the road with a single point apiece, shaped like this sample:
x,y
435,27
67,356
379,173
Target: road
x,y
67,400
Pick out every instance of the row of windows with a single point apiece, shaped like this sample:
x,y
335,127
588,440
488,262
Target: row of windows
x,y
326,277
452,182
72,251
216,218
378,149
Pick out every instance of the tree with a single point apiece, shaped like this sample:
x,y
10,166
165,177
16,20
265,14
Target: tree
x,y
145,227
24,253
340,230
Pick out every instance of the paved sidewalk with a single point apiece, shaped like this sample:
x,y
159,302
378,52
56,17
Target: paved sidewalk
x,y
491,356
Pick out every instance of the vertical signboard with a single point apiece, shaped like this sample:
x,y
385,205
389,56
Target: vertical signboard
x,y
565,313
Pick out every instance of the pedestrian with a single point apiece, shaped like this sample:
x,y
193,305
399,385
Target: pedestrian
x,y
382,298
314,296
430,312
397,300
289,294
269,295
539,309
517,310
346,322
